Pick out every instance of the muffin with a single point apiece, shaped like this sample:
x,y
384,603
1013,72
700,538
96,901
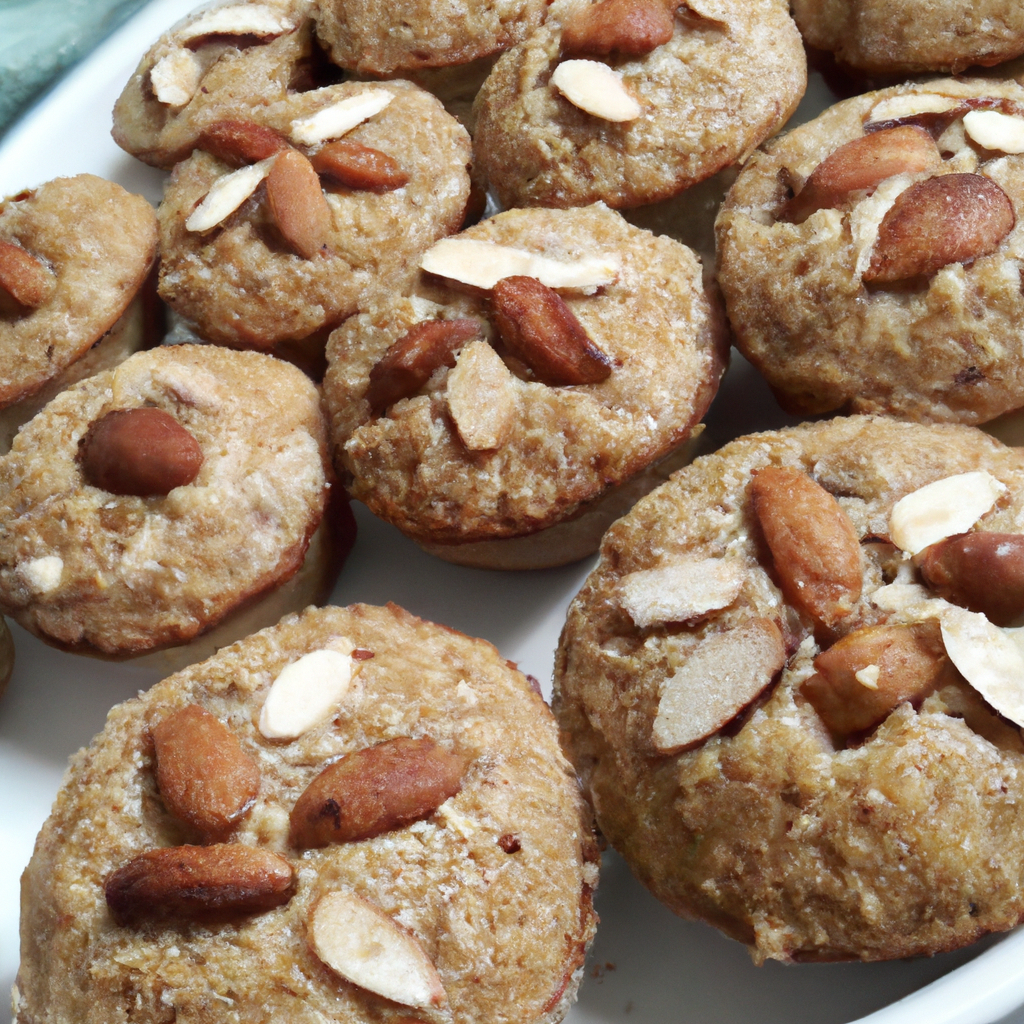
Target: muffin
x,y
542,362
409,842
793,697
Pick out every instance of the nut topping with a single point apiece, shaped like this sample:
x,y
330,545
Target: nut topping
x,y
596,89
145,452
537,326
908,661
954,218
813,543
204,776
409,362
227,194
240,142
359,941
175,78
27,281
721,676
630,28
994,130
305,692
375,790
236,20
357,166
681,590
482,398
199,883
339,118
860,166
983,572
298,205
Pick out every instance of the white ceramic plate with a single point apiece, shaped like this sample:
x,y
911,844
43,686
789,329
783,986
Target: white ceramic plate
x,y
647,966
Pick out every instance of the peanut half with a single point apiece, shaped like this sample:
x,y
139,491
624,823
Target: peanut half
x,y
953,218
629,28
25,281
204,776
860,166
199,883
813,543
375,790
145,452
537,325
298,205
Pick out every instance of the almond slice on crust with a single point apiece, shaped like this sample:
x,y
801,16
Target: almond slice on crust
x,y
175,77
340,118
236,20
993,130
596,89
681,590
482,398
227,194
306,691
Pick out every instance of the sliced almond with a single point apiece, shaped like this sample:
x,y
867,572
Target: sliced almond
x,y
814,546
596,89
482,398
227,195
25,279
908,662
682,590
988,658
483,264
942,509
175,77
993,130
362,944
240,142
537,325
334,121
199,883
953,218
237,20
721,676
630,28
908,104
306,692
298,205
376,790
205,777
860,166
357,166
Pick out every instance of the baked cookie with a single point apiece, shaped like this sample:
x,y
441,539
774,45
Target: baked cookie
x,y
409,845
906,36
869,258
144,504
789,699
339,189
629,102
380,37
542,360
75,254
233,60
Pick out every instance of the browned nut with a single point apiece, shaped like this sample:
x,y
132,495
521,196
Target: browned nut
x,y
144,452
954,218
980,571
537,326
409,362
205,777
358,166
25,281
199,883
813,543
862,677
375,790
240,142
860,166
298,205
631,28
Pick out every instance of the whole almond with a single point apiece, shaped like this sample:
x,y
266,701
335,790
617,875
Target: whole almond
x,y
983,572
908,661
199,883
537,325
860,166
26,280
630,28
240,142
409,362
953,218
298,205
357,166
145,452
204,776
813,543
375,790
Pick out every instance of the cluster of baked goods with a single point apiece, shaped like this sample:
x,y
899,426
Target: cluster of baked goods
x,y
794,670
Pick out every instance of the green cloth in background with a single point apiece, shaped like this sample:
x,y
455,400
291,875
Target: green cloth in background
x,y
41,38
